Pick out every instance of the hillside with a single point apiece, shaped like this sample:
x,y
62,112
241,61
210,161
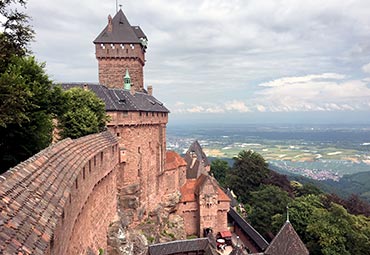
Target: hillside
x,y
358,183
326,223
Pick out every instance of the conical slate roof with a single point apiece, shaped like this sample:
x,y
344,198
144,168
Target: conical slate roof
x,y
122,31
286,242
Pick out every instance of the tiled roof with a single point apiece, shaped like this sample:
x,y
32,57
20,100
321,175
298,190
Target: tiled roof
x,y
120,99
180,246
286,242
191,188
249,230
174,160
33,193
122,31
188,191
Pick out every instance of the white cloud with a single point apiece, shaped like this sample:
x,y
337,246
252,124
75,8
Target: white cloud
x,y
220,50
260,108
196,109
302,79
366,68
215,110
326,92
236,105
178,103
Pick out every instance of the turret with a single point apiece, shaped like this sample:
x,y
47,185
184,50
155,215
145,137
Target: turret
x,y
127,79
120,47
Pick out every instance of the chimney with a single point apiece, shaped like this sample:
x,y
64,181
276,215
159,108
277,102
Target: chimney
x,y
150,90
110,25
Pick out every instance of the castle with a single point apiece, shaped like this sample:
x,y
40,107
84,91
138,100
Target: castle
x,y
66,198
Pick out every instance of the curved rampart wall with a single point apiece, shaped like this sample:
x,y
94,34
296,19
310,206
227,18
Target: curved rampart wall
x,y
62,200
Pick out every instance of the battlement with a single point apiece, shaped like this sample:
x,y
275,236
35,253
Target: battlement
x,y
44,199
120,47
120,51
128,118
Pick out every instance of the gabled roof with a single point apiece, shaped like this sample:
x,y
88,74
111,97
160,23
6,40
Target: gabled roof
x,y
196,161
122,31
249,230
120,99
287,242
191,188
195,147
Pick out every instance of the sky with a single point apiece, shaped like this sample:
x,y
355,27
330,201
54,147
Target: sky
x,y
237,61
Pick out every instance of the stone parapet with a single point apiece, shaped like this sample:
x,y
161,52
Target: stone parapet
x,y
42,199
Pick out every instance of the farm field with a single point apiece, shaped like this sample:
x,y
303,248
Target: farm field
x,y
320,153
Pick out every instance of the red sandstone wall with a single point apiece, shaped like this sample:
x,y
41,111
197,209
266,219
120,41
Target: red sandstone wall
x,y
91,226
223,208
174,176
113,62
91,205
143,149
189,211
169,182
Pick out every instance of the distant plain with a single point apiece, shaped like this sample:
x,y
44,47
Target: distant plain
x,y
320,152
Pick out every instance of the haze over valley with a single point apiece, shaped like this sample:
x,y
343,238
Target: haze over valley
x,y
321,152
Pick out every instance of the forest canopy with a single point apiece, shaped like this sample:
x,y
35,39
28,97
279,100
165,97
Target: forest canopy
x,y
29,102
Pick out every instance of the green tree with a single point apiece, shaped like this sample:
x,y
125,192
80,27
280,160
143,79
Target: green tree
x,y
14,38
219,169
25,119
306,189
337,232
84,114
300,215
16,32
266,203
327,229
28,102
248,172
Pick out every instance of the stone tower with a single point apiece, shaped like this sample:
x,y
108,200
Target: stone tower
x,y
120,47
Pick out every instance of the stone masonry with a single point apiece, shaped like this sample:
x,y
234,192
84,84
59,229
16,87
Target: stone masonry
x,y
118,47
54,202
142,140
111,66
